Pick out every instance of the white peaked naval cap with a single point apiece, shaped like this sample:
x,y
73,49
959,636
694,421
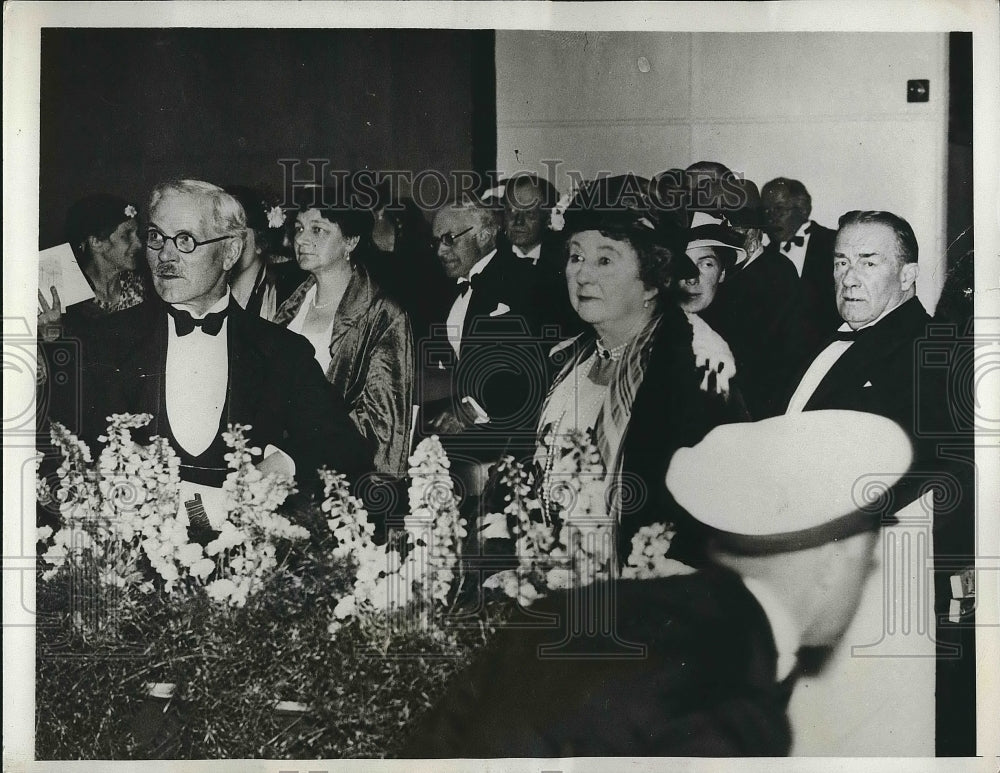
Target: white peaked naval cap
x,y
793,481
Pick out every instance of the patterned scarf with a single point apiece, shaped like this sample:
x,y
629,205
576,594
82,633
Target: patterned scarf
x,y
613,419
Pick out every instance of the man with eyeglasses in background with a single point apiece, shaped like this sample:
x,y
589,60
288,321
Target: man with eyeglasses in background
x,y
483,374
197,362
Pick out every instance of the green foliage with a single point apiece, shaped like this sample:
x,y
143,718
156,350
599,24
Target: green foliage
x,y
99,648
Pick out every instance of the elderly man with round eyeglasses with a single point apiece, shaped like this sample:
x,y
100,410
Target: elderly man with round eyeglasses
x,y
196,361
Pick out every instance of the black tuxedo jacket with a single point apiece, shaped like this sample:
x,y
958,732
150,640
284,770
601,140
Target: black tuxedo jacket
x,y
883,373
705,685
501,363
817,315
817,279
275,385
876,374
549,297
756,312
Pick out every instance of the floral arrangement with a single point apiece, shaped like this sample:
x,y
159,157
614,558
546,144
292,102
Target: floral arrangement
x,y
423,568
121,517
130,211
242,631
561,528
240,627
245,549
648,558
558,520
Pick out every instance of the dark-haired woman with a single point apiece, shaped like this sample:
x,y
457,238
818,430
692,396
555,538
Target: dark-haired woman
x,y
361,338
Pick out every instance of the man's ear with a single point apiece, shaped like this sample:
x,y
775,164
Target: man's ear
x,y
233,250
722,276
908,275
484,237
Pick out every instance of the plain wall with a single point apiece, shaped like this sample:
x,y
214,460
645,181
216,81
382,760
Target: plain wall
x,y
123,109
828,109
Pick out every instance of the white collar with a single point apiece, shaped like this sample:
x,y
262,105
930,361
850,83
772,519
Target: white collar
x,y
750,259
845,328
767,240
534,253
786,633
219,305
478,266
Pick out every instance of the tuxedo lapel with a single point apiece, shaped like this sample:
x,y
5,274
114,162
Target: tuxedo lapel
x,y
484,297
865,355
246,369
817,266
142,367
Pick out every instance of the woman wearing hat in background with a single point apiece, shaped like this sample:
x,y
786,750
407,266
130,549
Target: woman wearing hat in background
x,y
102,231
646,378
259,284
361,337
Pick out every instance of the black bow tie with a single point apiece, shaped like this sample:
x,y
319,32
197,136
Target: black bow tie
x,y
849,335
464,285
798,241
184,323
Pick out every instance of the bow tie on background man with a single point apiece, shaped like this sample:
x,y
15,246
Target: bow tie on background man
x,y
184,323
472,283
797,240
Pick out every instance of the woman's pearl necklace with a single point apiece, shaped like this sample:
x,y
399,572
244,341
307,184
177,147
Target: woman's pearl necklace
x,y
320,305
614,354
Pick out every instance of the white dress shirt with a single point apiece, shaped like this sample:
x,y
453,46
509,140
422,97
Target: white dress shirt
x,y
456,317
320,342
795,253
824,361
533,254
196,381
196,386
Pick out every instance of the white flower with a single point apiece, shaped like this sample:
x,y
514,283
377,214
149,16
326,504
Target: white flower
x,y
345,607
130,211
275,217
189,553
43,533
168,572
203,567
220,590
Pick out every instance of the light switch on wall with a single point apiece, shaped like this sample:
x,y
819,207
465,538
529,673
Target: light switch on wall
x,y
918,90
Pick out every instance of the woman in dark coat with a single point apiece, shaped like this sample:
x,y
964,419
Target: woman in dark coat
x,y
646,378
